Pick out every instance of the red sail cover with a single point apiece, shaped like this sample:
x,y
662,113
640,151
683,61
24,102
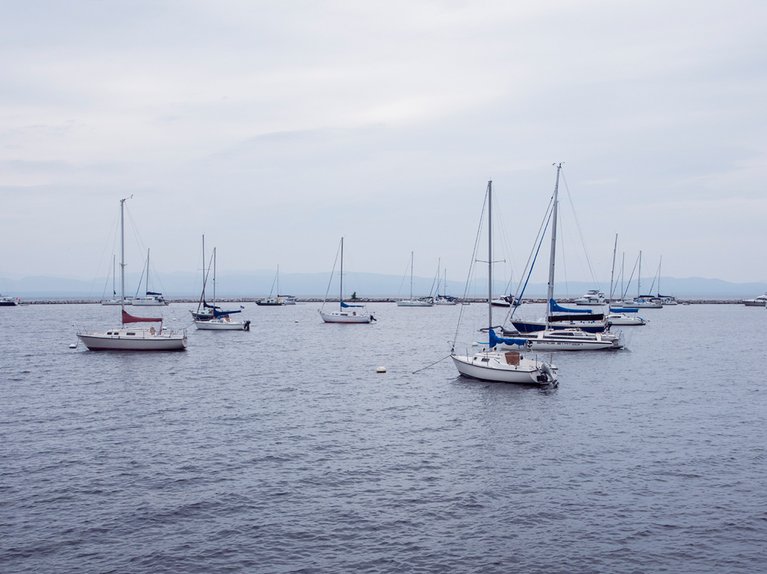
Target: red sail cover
x,y
128,318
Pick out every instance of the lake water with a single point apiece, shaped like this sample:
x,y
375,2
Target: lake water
x,y
282,450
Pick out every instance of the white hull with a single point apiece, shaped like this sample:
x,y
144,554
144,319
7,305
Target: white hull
x,y
644,304
414,303
624,320
222,325
147,302
345,317
500,303
572,340
134,340
114,302
758,302
493,366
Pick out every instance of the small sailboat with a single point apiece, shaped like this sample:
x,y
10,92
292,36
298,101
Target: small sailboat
x,y
272,301
561,331
411,301
115,300
221,320
204,311
443,299
129,338
621,316
350,313
150,298
491,364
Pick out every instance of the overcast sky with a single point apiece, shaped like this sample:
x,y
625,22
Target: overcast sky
x,y
276,127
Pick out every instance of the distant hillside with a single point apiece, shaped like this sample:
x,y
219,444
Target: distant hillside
x,y
256,284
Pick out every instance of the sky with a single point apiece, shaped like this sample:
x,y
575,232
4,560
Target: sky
x,y
274,128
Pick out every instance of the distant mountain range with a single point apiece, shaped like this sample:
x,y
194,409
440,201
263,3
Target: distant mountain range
x,y
259,283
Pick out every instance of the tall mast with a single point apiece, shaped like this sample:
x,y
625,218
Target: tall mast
x,y
214,277
114,278
489,256
122,256
411,275
146,289
203,270
612,271
639,276
552,255
659,266
341,283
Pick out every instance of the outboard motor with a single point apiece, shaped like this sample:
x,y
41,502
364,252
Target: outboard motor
x,y
246,326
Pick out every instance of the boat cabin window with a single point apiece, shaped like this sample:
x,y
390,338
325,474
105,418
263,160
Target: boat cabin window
x,y
129,333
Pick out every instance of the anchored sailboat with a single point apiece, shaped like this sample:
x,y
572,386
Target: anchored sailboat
x,y
412,302
130,338
221,321
565,329
493,365
347,312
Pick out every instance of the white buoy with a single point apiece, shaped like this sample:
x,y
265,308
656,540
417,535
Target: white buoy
x,y
381,370
73,345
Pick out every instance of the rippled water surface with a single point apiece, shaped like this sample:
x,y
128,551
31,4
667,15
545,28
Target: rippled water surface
x,y
282,450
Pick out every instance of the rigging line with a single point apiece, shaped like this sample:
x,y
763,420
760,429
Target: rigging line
x,y
429,366
578,227
402,281
471,268
532,258
507,250
332,272
628,283
563,258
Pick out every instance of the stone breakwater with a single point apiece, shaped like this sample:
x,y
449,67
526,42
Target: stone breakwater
x,y
85,301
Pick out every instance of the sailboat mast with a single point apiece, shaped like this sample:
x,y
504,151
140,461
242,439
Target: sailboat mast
x,y
214,277
411,275
639,276
612,270
341,282
553,253
146,289
122,258
203,269
660,263
489,256
114,275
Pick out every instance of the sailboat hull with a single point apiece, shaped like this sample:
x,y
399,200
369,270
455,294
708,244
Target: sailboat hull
x,y
536,326
493,367
344,317
133,340
414,303
222,325
573,341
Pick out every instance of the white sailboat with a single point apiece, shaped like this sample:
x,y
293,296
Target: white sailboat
x,y
221,320
204,311
444,298
412,302
573,338
271,300
115,300
621,316
150,298
491,364
132,338
349,313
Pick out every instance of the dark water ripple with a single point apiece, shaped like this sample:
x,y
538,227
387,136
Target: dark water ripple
x,y
281,450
